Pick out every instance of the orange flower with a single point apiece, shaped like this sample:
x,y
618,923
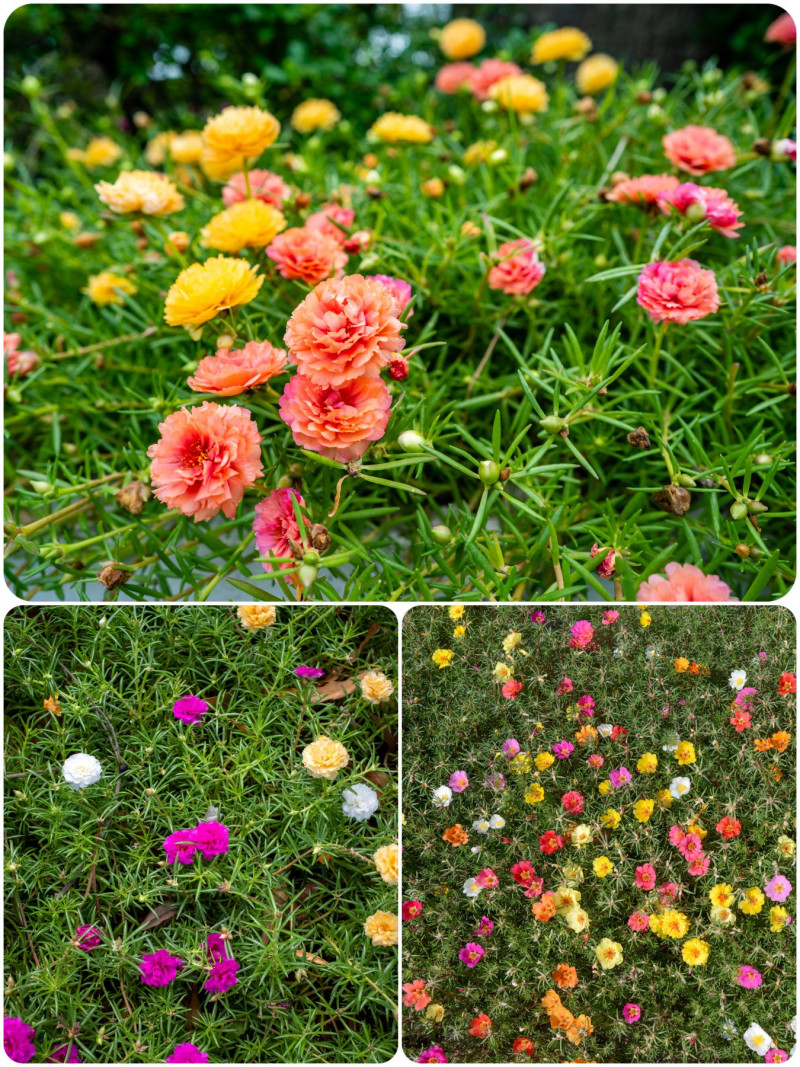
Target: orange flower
x,y
586,734
306,253
551,1001
762,745
565,976
481,1026
233,371
545,908
581,1027
699,149
694,668
52,704
780,740
562,1019
455,835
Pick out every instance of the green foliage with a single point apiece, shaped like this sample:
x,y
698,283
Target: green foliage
x,y
295,887
455,718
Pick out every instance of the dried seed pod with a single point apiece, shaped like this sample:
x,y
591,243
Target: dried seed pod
x,y
319,537
112,578
639,438
674,499
132,497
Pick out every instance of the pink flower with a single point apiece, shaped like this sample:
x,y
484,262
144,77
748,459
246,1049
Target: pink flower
x,y
459,781
222,976
562,749
608,566
233,371
275,527
206,458
610,617
619,776
484,76
572,802
181,847
159,968
537,884
345,329
484,927
471,953
414,995
586,705
496,782
338,422
595,761
453,76
360,241
699,866
64,1054
778,888
776,1055
684,582
676,835
434,1054
510,746
787,254
186,1052
698,202
264,185
668,892
333,220
643,191
690,846
18,363
631,1013
538,617
677,292
565,685
784,150
18,1039
646,877
511,689
639,921
411,909
189,709
310,673
582,634
748,977
310,255
400,290
782,31
487,879
519,269
211,838
87,938
699,149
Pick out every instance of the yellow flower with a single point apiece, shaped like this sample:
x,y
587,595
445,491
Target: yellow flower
x,y
576,919
593,76
469,229
696,828
785,845
643,809
376,687
510,641
69,220
433,187
566,43
721,895
100,152
107,288
580,836
681,665
177,241
648,763
256,616
609,953
442,657
434,1012
753,901
535,794
611,819
382,928
665,798
670,923
778,917
521,763
186,147
393,127
604,788
685,753
462,39
246,224
156,151
602,866
459,631
520,92
566,898
695,952
314,115
456,612
140,190
723,915
503,672
544,760
645,619
572,872
324,758
386,862
205,289
235,135
479,152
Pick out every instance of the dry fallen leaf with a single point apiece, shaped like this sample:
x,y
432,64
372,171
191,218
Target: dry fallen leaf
x,y
162,913
336,689
310,957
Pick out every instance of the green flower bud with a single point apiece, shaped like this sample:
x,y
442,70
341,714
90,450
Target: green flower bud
x,y
31,86
755,507
553,424
738,510
411,441
685,480
488,471
442,535
307,575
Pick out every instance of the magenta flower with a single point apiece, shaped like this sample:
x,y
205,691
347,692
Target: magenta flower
x,y
586,705
778,888
471,953
582,634
631,1013
186,1052
18,1039
159,968
216,947
65,1054
87,938
776,1055
411,909
434,1054
222,976
619,776
459,781
511,747
563,749
484,927
748,977
610,617
309,672
189,709
211,838
180,846
537,617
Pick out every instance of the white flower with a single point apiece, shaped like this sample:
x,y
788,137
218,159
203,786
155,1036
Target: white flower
x,y
497,822
442,796
481,826
793,1025
737,679
476,849
679,787
673,740
729,1030
81,770
757,1039
650,653
605,728
471,888
360,802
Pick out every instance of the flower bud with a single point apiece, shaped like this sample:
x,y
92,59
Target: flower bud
x,y
311,558
442,534
553,424
411,441
755,507
31,86
42,488
743,551
696,211
488,471
307,575
738,510
685,480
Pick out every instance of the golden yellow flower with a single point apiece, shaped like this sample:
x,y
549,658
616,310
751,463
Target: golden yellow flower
x,y
205,289
386,861
665,798
479,152
685,753
602,866
69,220
695,952
235,135
604,788
721,896
256,616
696,828
376,687
520,92
393,127
566,43
456,612
609,953
753,901
314,115
140,190
671,923
778,916
544,760
648,763
459,631
246,224
535,794
107,288
186,147
521,763
681,665
434,1012
442,657
462,39
100,152
576,919
645,618
611,819
593,76
324,758
643,809
382,928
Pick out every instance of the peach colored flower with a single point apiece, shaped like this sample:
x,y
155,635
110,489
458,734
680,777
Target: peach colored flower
x,y
677,292
519,270
333,220
782,31
645,190
338,423
345,328
206,458
453,76
683,582
786,255
699,149
140,190
234,370
400,290
310,255
484,76
698,202
275,527
264,185
18,363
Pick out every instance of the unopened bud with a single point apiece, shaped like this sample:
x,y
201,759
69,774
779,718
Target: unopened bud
x,y
31,86
696,211
42,488
488,471
685,480
553,424
411,441
398,370
743,551
441,534
738,510
311,558
307,575
755,507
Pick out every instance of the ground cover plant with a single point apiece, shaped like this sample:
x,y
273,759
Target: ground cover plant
x,y
200,835
530,333
599,822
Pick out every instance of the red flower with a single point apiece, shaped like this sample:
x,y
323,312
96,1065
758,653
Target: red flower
x,y
550,842
523,1046
729,827
787,683
618,733
511,689
523,872
481,1026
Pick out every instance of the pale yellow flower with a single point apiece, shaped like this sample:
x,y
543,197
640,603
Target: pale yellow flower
x,y
382,928
386,860
723,915
511,641
580,836
140,191
157,147
107,288
576,919
256,616
609,953
376,687
324,758
434,1012
100,152
503,672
